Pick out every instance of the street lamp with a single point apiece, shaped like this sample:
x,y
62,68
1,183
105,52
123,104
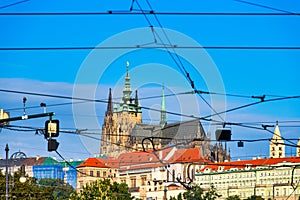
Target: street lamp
x,y
22,178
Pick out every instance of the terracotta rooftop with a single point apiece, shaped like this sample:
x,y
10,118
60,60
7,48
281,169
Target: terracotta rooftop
x,y
251,163
99,162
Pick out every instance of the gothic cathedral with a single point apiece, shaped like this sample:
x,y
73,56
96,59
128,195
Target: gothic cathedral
x,y
123,130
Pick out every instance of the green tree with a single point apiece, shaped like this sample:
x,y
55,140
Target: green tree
x,y
33,189
60,190
196,193
211,194
179,196
27,190
234,197
104,190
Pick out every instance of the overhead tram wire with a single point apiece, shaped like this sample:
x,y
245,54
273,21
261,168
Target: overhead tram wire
x,y
147,108
181,64
106,101
88,135
147,13
146,98
168,112
254,103
178,62
13,4
251,104
80,48
267,7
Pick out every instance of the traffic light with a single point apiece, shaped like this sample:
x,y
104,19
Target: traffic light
x,y
51,128
223,134
52,145
240,144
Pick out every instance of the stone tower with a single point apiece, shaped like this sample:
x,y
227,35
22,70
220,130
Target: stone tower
x,y
277,148
119,121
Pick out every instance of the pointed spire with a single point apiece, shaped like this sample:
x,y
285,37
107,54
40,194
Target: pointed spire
x,y
109,110
163,115
277,148
276,134
127,89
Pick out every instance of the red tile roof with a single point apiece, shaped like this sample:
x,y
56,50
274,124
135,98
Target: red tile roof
x,y
148,159
153,159
96,162
253,163
188,156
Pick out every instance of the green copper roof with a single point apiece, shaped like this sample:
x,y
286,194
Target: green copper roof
x,y
50,161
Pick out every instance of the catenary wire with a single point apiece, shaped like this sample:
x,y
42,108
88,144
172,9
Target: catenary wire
x,y
148,13
13,4
176,58
168,112
263,6
65,48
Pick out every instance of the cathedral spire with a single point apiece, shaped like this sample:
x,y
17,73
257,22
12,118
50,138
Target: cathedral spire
x,y
163,115
109,110
127,89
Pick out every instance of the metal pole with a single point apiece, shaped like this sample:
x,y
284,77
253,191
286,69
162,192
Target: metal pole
x,y
6,172
165,192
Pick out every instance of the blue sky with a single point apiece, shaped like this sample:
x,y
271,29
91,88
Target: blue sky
x,y
89,73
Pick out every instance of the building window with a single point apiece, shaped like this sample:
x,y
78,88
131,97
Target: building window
x,y
280,148
91,173
133,182
143,180
98,173
104,174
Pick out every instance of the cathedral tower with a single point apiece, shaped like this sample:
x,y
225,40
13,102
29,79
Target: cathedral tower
x,y
119,121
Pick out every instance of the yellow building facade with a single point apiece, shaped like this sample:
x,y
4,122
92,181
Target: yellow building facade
x,y
270,178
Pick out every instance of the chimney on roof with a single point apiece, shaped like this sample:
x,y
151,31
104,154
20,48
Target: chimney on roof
x,y
37,157
160,155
